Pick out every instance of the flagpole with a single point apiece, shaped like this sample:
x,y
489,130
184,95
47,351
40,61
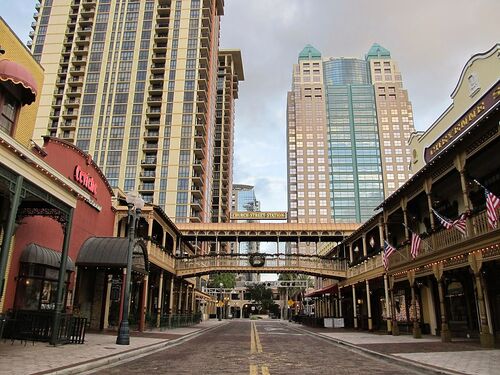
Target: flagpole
x,y
423,240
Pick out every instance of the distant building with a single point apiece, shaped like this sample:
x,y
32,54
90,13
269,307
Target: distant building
x,y
244,199
348,122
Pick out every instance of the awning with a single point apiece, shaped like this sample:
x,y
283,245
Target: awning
x,y
330,289
37,254
20,80
112,252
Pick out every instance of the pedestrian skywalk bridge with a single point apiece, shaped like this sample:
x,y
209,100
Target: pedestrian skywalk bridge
x,y
261,263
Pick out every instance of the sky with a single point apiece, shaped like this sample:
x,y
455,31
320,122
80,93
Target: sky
x,y
430,40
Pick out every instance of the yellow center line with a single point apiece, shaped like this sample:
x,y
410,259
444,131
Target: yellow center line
x,y
257,339
265,370
252,338
254,370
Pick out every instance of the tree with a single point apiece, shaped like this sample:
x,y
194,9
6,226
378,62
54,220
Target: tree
x,y
227,279
261,295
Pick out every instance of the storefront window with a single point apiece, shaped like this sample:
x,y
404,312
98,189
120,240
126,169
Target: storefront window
x,y
37,287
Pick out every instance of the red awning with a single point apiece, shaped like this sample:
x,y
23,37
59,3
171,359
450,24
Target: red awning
x,y
330,289
19,79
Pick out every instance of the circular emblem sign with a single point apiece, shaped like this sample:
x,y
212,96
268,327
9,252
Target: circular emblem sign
x,y
257,260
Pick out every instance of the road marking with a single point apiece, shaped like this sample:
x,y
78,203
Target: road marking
x,y
265,370
254,370
252,338
257,339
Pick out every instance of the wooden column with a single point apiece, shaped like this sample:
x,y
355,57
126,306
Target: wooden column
x,y
171,296
417,333
159,307
369,306
394,322
179,299
437,269
404,204
388,317
476,262
428,192
351,255
142,311
365,250
354,304
340,303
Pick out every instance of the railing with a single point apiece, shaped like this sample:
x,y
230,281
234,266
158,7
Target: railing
x,y
274,262
156,253
38,326
366,266
170,321
477,225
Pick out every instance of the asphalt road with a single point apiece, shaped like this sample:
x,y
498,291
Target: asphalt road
x,y
265,347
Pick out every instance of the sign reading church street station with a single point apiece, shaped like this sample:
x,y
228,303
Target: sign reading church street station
x,y
471,117
255,215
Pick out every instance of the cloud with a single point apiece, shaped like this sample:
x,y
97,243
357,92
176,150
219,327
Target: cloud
x,y
430,40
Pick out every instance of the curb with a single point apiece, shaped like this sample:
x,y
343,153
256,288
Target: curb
x,y
126,356
428,369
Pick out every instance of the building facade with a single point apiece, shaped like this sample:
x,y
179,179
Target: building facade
x,y
395,117
229,74
244,199
133,83
447,286
18,67
336,163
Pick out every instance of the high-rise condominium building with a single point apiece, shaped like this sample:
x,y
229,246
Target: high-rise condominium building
x,y
337,121
133,83
229,74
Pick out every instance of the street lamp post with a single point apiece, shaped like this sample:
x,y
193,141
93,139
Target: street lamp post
x,y
135,204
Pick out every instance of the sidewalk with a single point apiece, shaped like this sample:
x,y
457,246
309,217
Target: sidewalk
x,y
98,350
461,356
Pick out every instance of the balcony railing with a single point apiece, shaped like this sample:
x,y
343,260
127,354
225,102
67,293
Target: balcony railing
x,y
477,226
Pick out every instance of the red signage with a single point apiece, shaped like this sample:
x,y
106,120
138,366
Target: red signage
x,y
85,180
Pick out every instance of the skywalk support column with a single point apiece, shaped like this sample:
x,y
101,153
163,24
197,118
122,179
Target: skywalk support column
x,y
369,306
417,333
437,269
354,306
476,262
388,310
159,308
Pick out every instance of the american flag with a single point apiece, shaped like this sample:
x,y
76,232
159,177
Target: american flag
x,y
415,244
458,224
388,250
492,204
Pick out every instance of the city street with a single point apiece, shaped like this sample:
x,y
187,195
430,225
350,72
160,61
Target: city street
x,y
257,347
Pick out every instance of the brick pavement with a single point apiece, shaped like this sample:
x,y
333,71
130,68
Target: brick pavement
x,y
227,350
459,356
41,358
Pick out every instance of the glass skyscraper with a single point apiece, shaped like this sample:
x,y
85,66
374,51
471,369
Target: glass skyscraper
x,y
356,185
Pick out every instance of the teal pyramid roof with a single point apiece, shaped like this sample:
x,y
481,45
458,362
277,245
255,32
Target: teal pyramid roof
x,y
309,53
378,52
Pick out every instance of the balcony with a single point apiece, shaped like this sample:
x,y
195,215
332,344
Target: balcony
x,y
148,134
148,175
451,241
75,102
149,161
